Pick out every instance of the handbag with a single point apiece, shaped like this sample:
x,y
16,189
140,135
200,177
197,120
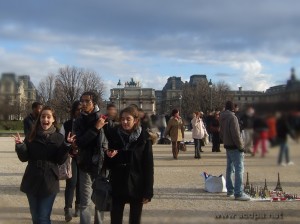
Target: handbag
x,y
102,193
182,146
65,170
205,139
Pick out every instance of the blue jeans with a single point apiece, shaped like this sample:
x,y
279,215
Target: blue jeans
x,y
284,151
235,164
197,147
72,184
86,181
41,208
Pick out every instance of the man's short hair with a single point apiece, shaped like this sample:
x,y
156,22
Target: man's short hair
x,y
229,106
35,105
110,105
93,96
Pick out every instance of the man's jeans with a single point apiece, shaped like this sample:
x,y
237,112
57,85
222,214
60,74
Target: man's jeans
x,y
86,190
248,139
284,151
235,164
41,208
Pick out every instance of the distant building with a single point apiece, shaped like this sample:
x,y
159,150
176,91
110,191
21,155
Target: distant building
x,y
282,97
243,98
170,96
133,93
16,93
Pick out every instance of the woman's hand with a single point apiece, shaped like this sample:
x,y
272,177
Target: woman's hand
x,y
71,138
18,139
111,153
145,200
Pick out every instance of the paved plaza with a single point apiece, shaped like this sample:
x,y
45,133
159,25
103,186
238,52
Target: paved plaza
x,y
179,189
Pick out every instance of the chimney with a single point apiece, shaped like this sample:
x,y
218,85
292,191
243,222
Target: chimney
x,y
240,88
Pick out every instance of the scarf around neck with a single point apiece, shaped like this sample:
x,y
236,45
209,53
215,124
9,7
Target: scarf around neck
x,y
133,136
46,133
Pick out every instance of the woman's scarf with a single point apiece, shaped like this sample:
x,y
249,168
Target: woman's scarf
x,y
132,137
46,133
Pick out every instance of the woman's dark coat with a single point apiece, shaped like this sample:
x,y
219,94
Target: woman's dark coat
x,y
43,154
132,172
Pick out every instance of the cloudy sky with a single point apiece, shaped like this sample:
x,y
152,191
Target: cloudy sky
x,y
252,44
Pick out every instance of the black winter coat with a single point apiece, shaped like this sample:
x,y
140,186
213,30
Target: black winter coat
x,y
43,154
132,170
91,142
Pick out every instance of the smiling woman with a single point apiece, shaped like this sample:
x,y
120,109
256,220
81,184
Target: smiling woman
x,y
44,150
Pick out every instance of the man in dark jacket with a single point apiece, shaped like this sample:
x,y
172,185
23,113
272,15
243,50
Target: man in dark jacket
x,y
30,120
233,143
91,141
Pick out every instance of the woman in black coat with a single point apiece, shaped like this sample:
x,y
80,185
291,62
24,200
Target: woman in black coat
x,y
215,130
130,160
44,150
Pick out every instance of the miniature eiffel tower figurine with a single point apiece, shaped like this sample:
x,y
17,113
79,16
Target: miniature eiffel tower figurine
x,y
266,191
247,188
265,187
278,186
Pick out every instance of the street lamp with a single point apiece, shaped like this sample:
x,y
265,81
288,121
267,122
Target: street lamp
x,y
180,98
119,94
210,86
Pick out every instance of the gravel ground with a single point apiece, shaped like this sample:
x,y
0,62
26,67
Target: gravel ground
x,y
179,195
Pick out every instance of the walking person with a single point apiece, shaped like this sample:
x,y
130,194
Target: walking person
x,y
175,129
91,141
198,133
283,130
30,120
247,120
130,160
72,184
215,131
161,124
233,143
44,150
260,135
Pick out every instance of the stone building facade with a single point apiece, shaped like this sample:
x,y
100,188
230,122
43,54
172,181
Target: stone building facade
x,y
133,93
16,94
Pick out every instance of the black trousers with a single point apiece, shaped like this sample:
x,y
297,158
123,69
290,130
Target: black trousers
x,y
135,212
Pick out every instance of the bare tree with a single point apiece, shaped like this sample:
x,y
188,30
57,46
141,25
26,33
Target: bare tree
x,y
91,81
68,85
221,93
62,89
46,89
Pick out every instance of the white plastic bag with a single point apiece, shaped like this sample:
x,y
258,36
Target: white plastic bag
x,y
214,184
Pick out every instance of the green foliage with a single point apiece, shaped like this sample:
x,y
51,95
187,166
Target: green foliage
x,y
11,125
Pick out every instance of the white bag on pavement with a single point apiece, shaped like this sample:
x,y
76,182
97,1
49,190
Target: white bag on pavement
x,y
214,184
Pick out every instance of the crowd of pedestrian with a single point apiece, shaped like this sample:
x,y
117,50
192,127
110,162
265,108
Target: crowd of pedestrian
x,y
121,142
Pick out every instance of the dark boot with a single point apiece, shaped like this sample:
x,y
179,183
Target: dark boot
x,y
68,215
77,210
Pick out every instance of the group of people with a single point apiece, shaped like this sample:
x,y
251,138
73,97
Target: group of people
x,y
121,143
118,145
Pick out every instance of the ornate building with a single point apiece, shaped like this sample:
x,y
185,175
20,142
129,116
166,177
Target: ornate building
x,y
16,93
170,96
133,93
246,97
282,97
